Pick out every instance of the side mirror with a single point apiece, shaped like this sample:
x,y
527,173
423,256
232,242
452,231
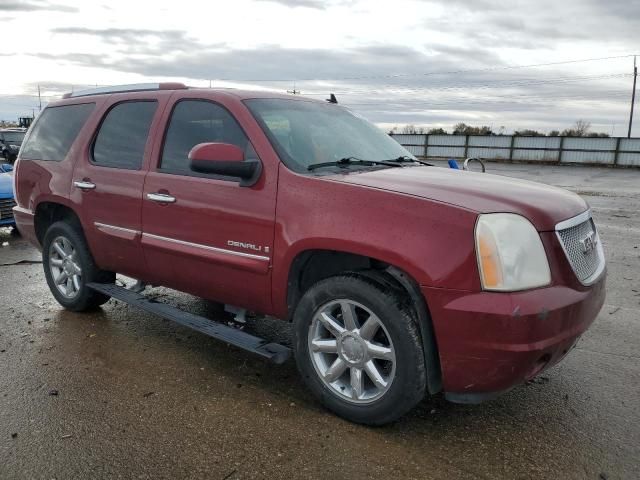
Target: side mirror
x,y
224,159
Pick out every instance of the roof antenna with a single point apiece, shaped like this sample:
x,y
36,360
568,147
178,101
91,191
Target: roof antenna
x,y
332,99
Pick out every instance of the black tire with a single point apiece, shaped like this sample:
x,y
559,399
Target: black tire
x,y
408,385
85,298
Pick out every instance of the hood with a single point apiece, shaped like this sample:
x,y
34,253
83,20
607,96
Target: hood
x,y
6,184
543,205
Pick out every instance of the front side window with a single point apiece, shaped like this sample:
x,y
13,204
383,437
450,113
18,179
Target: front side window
x,y
123,135
55,131
307,132
193,122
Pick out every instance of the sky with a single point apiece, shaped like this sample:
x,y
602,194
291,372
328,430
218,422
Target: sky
x,y
510,65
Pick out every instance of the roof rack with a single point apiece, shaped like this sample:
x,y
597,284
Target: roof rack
x,y
136,87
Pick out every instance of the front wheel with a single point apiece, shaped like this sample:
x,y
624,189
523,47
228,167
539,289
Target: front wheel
x,y
69,266
358,349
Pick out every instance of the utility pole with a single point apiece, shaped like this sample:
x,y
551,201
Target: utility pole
x,y
39,100
294,91
633,95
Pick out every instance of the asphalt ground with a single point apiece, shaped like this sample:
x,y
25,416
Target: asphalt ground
x,y
120,393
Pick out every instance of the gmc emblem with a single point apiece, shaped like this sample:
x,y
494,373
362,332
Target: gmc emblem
x,y
589,243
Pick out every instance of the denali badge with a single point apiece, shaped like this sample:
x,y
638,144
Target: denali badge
x,y
589,243
250,246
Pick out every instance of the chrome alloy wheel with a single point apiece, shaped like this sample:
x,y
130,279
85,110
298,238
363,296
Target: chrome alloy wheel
x,y
351,351
65,270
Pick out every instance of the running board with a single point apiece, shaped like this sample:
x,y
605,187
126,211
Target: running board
x,y
271,351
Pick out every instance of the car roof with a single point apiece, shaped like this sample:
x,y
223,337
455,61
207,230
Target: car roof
x,y
127,91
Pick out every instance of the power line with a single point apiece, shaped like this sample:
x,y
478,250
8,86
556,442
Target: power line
x,y
29,95
405,75
496,84
403,89
471,101
451,72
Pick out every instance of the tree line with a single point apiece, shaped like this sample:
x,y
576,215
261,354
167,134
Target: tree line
x,y
579,129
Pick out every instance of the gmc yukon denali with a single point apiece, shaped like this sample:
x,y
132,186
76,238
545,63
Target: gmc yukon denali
x,y
401,279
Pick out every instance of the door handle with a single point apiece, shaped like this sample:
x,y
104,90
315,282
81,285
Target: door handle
x,y
83,185
161,198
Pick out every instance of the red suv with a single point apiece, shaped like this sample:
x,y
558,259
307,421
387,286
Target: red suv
x,y
401,279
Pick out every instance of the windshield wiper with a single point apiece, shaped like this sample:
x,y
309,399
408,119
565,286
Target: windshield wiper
x,y
404,158
343,162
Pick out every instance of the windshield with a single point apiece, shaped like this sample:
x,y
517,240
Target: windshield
x,y
306,133
13,137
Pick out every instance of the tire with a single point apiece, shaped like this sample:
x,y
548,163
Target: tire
x,y
78,263
398,356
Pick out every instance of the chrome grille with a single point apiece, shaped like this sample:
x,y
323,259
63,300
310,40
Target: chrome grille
x,y
6,208
581,244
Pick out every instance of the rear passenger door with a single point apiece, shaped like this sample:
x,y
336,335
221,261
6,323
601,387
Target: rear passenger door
x,y
214,238
109,178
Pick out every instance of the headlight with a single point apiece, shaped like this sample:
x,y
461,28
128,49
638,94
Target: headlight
x,y
510,253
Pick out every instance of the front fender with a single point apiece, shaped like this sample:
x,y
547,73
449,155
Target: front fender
x,y
432,242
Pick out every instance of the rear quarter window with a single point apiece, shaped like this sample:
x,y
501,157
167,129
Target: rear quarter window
x,y
55,131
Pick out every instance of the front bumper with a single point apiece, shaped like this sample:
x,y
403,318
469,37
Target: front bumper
x,y
489,342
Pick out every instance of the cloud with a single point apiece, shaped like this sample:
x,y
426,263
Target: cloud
x,y
542,23
139,41
424,61
318,4
387,83
121,34
269,63
81,59
33,5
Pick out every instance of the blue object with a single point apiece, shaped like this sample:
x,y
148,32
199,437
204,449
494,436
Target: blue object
x,y
6,167
453,164
7,201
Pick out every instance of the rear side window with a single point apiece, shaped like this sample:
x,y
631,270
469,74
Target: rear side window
x,y
55,131
193,122
123,135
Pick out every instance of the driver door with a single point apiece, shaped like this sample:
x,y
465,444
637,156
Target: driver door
x,y
203,234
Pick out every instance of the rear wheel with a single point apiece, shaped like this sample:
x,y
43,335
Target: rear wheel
x,y
358,349
69,266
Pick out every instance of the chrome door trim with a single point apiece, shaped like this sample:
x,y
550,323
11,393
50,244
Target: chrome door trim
x,y
205,247
113,227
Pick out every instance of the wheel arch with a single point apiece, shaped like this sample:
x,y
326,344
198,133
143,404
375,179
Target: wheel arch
x,y
311,266
48,212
